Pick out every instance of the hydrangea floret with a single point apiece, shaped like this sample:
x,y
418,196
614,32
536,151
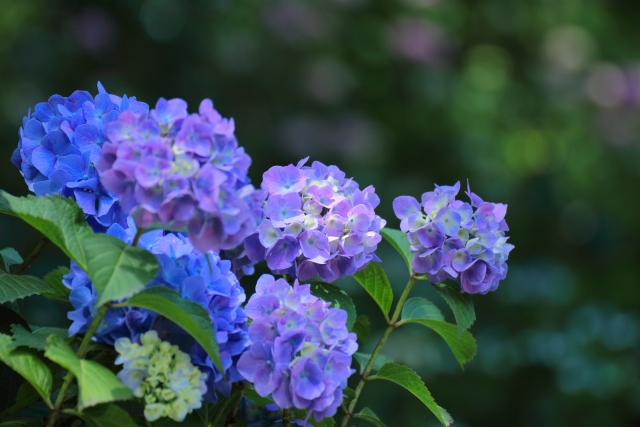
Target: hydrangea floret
x,y
61,141
203,278
162,375
316,222
300,348
452,239
182,170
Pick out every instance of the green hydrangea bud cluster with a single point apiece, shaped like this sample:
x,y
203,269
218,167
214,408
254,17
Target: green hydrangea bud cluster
x,y
162,375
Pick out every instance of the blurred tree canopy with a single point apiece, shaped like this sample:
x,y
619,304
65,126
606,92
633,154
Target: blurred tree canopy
x,y
536,102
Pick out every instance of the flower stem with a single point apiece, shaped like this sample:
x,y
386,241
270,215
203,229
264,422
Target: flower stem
x,y
286,417
377,350
136,238
231,416
32,256
82,351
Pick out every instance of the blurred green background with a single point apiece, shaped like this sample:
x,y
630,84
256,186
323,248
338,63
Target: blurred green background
x,y
536,102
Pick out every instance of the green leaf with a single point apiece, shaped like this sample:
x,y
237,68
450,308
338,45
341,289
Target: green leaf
x,y
211,415
463,347
22,422
9,257
5,208
301,414
116,269
421,308
363,359
259,400
27,395
348,395
373,279
36,339
187,314
107,415
60,292
400,242
407,378
461,304
27,363
338,299
368,415
96,383
58,218
362,329
13,287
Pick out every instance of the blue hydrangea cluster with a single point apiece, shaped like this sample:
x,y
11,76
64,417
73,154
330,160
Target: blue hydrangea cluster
x,y
300,348
60,143
316,222
202,278
452,239
182,170
162,375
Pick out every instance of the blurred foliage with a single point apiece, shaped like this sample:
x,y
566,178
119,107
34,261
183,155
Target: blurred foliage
x,y
536,102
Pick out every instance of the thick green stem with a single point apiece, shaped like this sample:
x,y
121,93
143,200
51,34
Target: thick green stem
x,y
377,350
32,256
82,351
286,417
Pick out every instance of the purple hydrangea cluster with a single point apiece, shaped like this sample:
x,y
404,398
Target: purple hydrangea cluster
x,y
202,278
316,222
61,141
452,239
182,170
300,348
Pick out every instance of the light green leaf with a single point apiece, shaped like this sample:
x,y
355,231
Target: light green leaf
x,y
363,359
407,378
187,314
373,279
96,383
116,269
362,329
107,415
421,308
58,218
36,339
60,292
463,347
400,242
13,287
27,363
5,208
9,257
368,415
338,299
461,304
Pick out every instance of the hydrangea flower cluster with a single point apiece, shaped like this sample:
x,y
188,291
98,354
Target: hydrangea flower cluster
x,y
61,141
162,375
182,171
316,221
202,278
454,239
300,348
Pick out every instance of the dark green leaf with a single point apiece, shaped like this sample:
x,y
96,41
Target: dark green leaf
x,y
5,208
58,218
9,257
373,279
107,415
26,395
362,329
13,287
400,242
36,339
407,378
421,308
259,400
96,383
215,413
461,304
60,292
368,415
348,395
463,347
116,269
187,314
363,359
27,363
338,299
21,422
